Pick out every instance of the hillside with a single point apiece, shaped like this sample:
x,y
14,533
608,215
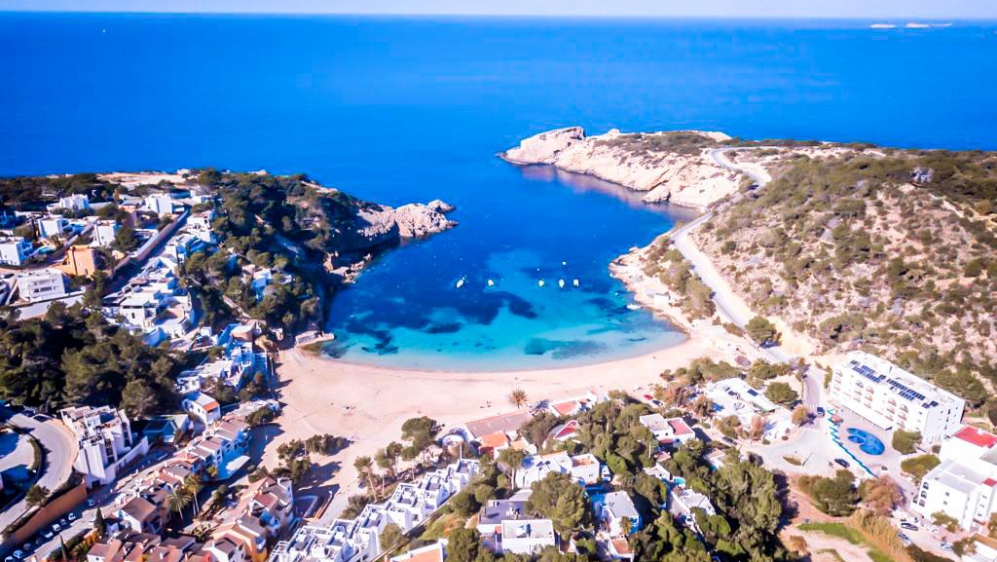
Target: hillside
x,y
885,249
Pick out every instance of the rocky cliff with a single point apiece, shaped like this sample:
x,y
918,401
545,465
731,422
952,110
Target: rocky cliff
x,y
381,223
673,166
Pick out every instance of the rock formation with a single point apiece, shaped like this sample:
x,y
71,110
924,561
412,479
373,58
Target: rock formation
x,y
671,166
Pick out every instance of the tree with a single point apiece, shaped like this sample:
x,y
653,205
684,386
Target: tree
x,y
192,485
756,430
325,444
421,435
125,240
463,545
464,503
834,496
702,407
562,500
942,519
781,393
881,495
906,442
801,415
365,470
729,427
99,524
511,459
518,397
260,416
387,458
391,537
761,331
177,500
36,495
919,466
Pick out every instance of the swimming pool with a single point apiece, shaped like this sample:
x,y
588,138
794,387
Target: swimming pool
x,y
867,442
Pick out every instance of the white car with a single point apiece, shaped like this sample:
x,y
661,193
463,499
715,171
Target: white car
x,y
48,534
71,516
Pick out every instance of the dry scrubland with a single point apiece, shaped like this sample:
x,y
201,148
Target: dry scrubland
x,y
890,250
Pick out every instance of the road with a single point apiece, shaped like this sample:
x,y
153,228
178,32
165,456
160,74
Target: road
x,y
60,452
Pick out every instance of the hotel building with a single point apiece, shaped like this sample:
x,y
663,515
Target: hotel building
x,y
893,398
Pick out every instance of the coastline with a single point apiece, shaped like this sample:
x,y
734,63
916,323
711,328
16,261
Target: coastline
x,y
368,404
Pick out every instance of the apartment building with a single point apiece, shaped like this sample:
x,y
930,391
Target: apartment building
x,y
893,398
14,250
356,540
41,284
105,441
964,485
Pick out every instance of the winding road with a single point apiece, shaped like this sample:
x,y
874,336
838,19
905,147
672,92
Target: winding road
x,y
60,452
729,304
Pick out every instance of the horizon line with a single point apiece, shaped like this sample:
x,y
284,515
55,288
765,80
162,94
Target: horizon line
x,y
884,19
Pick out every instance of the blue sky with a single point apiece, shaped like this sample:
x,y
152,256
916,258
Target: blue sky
x,y
902,9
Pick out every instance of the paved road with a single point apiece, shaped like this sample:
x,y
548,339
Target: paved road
x,y
60,452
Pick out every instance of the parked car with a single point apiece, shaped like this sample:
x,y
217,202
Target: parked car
x,y
72,516
19,554
56,527
91,503
48,534
905,539
820,411
945,546
908,526
842,463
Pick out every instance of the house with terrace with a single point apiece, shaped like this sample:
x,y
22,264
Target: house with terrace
x,y
584,469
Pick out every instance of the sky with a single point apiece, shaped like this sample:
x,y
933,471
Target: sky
x,y
877,9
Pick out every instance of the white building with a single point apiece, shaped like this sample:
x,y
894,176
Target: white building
x,y
435,552
104,233
527,536
41,284
964,485
583,469
14,250
671,431
202,407
159,204
357,540
105,440
49,227
74,203
612,509
893,398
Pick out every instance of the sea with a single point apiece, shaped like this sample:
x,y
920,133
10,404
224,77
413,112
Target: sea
x,y
411,109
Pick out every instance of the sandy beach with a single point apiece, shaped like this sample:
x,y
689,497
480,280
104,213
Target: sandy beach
x,y
369,404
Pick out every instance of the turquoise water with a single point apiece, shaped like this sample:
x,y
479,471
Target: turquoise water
x,y
867,442
412,109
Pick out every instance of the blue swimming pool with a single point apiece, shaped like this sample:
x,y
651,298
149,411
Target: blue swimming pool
x,y
867,442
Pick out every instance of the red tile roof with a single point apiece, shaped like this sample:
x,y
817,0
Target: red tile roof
x,y
977,437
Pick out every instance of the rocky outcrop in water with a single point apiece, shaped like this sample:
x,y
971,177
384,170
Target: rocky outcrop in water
x,y
380,224
673,166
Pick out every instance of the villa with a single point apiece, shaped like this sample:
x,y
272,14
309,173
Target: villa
x,y
584,469
964,485
671,431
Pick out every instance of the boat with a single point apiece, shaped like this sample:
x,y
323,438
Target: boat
x,y
633,306
540,283
560,283
575,282
491,283
460,282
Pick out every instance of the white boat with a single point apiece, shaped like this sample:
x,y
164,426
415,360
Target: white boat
x,y
560,283
540,283
564,263
575,282
633,306
460,282
491,283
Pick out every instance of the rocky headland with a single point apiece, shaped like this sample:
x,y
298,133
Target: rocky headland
x,y
673,166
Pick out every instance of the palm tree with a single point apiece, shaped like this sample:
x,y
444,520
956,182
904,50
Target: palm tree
x,y
512,459
518,397
178,500
192,485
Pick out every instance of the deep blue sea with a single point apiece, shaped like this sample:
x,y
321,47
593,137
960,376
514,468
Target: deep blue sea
x,y
412,109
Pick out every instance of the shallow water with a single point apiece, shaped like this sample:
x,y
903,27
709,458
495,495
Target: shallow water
x,y
411,109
